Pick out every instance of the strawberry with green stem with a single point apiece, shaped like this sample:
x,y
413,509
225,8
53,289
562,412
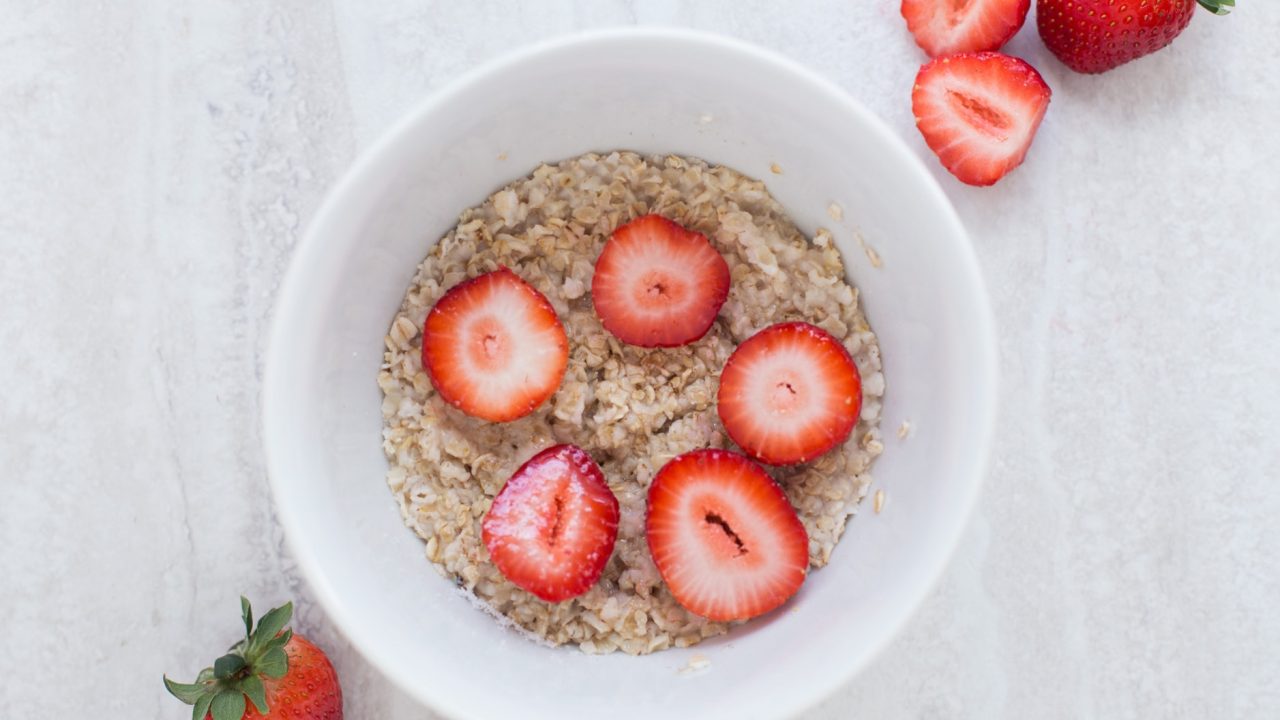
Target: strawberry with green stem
x,y
1093,36
271,673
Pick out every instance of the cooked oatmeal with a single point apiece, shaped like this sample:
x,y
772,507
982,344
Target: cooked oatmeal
x,y
631,408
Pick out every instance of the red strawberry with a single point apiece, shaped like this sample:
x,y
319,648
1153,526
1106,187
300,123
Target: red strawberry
x,y
943,27
978,112
552,527
724,537
271,674
657,284
1093,36
494,347
789,393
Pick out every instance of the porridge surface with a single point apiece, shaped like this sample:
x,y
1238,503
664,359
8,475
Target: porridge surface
x,y
632,409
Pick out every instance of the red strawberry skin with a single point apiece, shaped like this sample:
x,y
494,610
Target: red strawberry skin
x,y
724,537
552,527
309,691
494,347
979,112
657,284
1093,36
944,27
789,394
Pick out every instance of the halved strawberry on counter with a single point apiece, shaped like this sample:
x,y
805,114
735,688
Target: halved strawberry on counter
x,y
657,284
943,27
789,394
724,537
552,527
978,112
494,347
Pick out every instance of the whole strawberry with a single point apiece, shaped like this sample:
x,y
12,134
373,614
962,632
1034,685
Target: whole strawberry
x,y
1093,36
270,675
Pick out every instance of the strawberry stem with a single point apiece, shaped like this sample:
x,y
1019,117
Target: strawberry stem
x,y
236,678
1218,7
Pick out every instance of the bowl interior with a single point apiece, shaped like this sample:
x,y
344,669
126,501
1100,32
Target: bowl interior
x,y
650,91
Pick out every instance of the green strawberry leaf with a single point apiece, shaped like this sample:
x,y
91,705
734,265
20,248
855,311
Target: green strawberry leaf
x,y
1218,7
246,612
205,675
272,623
253,688
188,693
227,665
202,707
274,663
228,705
278,641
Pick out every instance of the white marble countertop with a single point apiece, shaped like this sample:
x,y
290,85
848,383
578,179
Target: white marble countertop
x,y
162,157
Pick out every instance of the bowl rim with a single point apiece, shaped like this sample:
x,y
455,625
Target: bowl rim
x,y
289,300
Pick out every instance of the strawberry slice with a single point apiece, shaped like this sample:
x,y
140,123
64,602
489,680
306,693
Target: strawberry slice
x,y
724,537
789,393
979,112
494,347
552,527
943,27
657,284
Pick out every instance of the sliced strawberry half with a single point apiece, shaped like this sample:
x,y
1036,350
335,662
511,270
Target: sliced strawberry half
x,y
552,527
979,112
943,27
724,537
657,284
789,393
494,347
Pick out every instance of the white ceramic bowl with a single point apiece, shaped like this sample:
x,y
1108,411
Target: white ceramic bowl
x,y
651,91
